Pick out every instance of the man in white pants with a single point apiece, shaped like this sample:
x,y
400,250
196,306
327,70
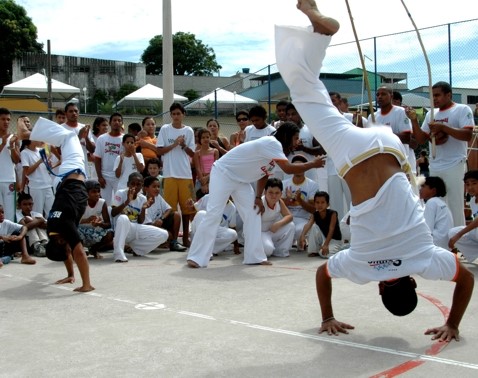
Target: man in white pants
x,y
384,209
231,176
453,129
225,233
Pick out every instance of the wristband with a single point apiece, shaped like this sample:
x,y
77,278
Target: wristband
x,y
326,320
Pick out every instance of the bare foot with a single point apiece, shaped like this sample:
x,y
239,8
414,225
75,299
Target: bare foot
x,y
66,280
322,24
193,264
266,262
1,264
97,256
84,289
28,260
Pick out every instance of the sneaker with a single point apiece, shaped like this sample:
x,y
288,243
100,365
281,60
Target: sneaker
x,y
39,250
176,247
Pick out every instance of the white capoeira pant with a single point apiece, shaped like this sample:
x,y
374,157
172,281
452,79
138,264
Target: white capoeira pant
x,y
224,237
140,237
390,238
453,178
467,244
316,240
299,224
279,243
221,187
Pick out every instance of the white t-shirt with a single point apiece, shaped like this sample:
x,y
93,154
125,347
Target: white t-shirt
x,y
474,207
350,117
8,227
8,168
439,220
128,167
133,209
176,163
253,133
39,178
33,215
250,161
108,148
82,140
96,211
453,151
228,215
307,188
270,216
156,210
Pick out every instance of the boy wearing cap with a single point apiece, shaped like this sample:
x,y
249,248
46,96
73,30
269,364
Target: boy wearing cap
x,y
390,237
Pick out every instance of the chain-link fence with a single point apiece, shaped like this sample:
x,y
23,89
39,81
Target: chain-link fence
x,y
395,60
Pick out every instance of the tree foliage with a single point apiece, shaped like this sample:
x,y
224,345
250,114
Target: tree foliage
x,y
124,90
191,57
18,35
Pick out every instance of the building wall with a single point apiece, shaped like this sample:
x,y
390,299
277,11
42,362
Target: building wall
x,y
81,72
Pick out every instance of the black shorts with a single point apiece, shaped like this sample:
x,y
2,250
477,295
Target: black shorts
x,y
168,223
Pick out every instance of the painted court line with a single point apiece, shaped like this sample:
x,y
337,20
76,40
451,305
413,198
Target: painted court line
x,y
416,357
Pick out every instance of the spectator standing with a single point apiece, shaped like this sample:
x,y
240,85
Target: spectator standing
x,y
242,119
127,162
108,148
453,128
259,127
176,145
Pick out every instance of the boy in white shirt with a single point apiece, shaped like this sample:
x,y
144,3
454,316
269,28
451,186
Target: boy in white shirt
x,y
128,161
437,214
108,147
129,206
161,215
35,222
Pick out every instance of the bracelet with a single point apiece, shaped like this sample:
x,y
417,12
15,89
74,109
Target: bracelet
x,y
326,320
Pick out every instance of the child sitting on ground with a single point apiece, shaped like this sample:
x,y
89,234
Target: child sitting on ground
x,y
95,225
203,159
325,236
278,230
129,206
465,238
35,223
161,215
12,240
437,214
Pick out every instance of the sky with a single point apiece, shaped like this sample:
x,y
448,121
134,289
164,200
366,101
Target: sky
x,y
241,33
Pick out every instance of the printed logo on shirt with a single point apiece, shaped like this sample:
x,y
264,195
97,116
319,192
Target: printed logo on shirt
x,y
112,148
267,169
390,265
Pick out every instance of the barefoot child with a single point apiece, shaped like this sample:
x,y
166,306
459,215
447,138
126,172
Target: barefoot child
x,y
12,240
95,225
70,202
203,160
325,236
35,223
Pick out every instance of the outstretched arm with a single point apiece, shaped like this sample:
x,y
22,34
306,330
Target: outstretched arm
x,y
461,297
324,292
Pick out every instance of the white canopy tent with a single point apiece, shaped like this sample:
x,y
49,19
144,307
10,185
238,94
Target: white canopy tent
x,y
224,99
37,85
146,96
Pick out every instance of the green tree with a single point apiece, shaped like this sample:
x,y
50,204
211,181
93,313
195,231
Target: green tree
x,y
191,57
191,94
124,90
18,35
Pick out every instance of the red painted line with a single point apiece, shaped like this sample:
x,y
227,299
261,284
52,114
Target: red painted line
x,y
435,348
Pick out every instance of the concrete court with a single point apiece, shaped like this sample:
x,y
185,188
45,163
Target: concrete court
x,y
154,317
